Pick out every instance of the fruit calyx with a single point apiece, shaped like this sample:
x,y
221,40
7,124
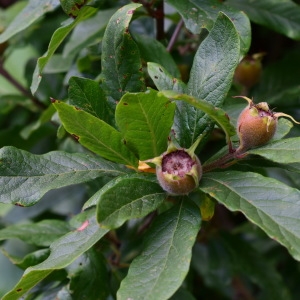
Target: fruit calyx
x,y
178,170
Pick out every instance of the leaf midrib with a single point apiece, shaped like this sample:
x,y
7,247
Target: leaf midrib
x,y
168,252
257,209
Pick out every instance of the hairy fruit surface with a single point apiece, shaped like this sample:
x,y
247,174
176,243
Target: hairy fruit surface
x,y
257,125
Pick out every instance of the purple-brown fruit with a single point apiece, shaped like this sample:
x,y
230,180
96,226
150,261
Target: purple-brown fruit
x,y
178,170
179,173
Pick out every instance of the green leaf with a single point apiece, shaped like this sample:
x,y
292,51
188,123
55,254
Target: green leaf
x,y
58,64
9,101
89,277
45,117
268,203
42,233
215,113
215,62
282,16
121,63
88,32
227,256
86,94
72,7
31,13
95,134
284,151
198,14
151,50
164,262
164,80
145,121
128,197
58,37
28,260
63,252
210,79
26,177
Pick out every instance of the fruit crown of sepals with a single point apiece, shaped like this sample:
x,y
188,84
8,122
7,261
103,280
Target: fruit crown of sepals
x,y
173,146
265,107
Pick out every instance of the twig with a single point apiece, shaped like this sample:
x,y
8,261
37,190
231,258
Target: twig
x,y
156,11
17,85
219,163
147,222
175,35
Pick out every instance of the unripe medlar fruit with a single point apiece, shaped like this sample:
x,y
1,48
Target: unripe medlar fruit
x,y
178,170
257,125
248,71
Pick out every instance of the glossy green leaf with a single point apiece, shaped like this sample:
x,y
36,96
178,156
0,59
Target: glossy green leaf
x,y
127,197
198,14
282,16
63,252
26,177
95,134
210,79
151,50
42,233
58,37
215,113
121,63
164,262
86,94
285,151
30,14
145,121
268,203
164,80
89,277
